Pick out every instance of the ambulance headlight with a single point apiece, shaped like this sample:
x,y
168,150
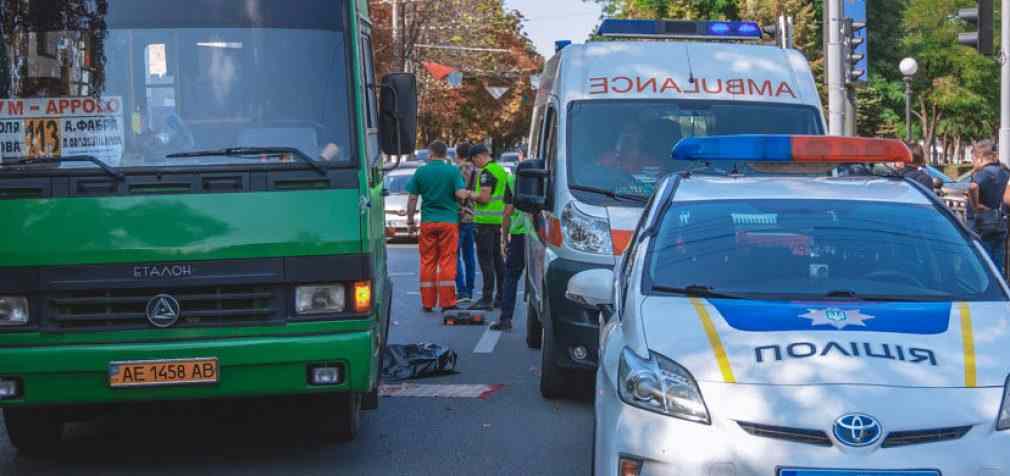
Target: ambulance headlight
x,y
13,311
586,233
660,385
1003,423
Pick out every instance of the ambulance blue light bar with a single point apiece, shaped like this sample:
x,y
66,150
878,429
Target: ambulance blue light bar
x,y
792,148
716,30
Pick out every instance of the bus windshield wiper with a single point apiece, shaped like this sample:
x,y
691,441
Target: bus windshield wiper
x,y
251,151
627,197
69,158
697,290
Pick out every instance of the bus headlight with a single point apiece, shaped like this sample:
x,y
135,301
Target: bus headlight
x,y
320,299
13,311
660,385
585,232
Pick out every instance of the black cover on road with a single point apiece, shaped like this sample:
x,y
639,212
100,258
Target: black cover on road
x,y
414,361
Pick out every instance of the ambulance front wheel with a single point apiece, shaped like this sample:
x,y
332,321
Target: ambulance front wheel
x,y
33,431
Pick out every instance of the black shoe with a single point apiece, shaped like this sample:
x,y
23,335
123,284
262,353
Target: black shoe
x,y
483,305
503,326
449,309
428,310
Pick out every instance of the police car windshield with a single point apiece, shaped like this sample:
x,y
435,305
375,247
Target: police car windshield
x,y
626,145
818,249
132,82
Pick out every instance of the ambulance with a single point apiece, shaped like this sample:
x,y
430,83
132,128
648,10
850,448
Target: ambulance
x,y
607,116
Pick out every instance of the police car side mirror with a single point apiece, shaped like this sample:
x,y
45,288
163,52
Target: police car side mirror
x,y
531,186
937,184
398,114
593,288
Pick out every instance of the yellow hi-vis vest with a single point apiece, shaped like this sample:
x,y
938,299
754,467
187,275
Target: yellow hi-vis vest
x,y
491,213
518,220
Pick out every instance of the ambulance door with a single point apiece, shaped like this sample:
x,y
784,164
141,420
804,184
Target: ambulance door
x,y
544,149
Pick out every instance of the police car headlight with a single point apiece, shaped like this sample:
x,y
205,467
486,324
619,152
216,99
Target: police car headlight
x,y
1003,423
586,233
13,311
660,385
322,299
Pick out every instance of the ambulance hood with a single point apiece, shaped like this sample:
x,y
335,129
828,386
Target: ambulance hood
x,y
679,70
932,344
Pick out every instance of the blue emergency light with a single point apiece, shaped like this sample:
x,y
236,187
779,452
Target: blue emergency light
x,y
792,148
719,30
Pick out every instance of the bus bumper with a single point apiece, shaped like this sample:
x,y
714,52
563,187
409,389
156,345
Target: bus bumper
x,y
248,367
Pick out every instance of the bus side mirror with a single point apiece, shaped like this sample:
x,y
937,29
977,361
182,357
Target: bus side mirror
x,y
398,114
531,186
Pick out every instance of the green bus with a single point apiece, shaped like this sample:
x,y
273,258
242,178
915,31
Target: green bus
x,y
192,201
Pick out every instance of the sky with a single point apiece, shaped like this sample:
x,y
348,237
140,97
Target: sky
x,y
550,20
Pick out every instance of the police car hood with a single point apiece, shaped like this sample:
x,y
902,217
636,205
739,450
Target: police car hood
x,y
929,344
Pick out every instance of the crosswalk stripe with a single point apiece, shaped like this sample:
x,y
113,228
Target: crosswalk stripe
x,y
487,342
415,390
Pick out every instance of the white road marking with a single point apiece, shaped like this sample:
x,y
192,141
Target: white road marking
x,y
413,293
408,389
401,274
487,342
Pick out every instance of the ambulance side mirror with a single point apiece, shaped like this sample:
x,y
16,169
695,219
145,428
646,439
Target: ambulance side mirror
x,y
593,288
398,114
531,186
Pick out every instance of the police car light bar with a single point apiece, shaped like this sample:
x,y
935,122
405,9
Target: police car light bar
x,y
786,148
720,30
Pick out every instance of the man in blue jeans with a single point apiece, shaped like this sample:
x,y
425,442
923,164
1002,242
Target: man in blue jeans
x,y
466,270
986,196
514,229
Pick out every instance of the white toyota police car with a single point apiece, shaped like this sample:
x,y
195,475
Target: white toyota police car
x,y
788,309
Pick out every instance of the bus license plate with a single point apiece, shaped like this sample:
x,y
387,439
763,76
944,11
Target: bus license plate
x,y
163,372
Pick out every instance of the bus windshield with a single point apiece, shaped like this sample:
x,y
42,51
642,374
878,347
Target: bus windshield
x,y
626,146
132,82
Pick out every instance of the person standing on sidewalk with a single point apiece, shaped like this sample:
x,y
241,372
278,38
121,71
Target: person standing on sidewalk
x,y
466,267
986,195
439,185
513,229
489,195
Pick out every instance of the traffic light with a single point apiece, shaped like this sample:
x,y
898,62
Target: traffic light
x,y
852,59
981,17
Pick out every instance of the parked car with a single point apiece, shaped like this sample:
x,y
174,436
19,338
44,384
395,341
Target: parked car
x,y
395,184
509,160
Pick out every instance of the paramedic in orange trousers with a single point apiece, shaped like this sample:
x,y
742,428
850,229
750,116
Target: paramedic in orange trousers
x,y
440,186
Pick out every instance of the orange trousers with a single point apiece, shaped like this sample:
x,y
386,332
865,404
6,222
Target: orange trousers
x,y
438,244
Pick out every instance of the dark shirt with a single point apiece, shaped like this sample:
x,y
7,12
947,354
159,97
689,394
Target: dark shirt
x,y
487,179
919,175
991,181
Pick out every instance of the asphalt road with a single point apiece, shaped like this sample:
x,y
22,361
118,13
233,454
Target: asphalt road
x,y
513,431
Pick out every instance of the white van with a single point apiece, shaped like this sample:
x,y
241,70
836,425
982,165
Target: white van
x,y
607,117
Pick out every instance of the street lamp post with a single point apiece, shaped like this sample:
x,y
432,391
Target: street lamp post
x,y
908,67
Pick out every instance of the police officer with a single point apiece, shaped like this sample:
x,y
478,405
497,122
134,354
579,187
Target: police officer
x,y
986,195
489,207
917,169
514,228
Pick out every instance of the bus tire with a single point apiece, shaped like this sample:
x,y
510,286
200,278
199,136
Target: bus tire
x,y
534,330
33,431
341,416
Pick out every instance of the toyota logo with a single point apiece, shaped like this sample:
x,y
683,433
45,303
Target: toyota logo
x,y
857,430
163,311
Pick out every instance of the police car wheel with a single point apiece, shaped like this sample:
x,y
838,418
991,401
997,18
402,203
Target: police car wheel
x,y
33,431
341,416
534,330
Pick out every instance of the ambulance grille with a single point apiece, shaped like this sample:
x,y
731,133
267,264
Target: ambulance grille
x,y
200,307
921,437
795,435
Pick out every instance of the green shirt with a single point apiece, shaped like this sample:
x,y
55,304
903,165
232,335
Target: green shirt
x,y
437,183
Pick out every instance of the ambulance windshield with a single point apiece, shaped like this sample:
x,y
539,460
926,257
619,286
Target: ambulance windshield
x,y
626,146
132,82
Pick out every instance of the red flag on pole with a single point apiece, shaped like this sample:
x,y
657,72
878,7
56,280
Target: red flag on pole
x,y
439,71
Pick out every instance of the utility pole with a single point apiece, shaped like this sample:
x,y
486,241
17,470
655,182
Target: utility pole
x,y
1004,87
835,70
397,47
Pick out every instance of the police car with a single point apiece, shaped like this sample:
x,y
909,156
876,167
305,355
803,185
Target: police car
x,y
789,308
